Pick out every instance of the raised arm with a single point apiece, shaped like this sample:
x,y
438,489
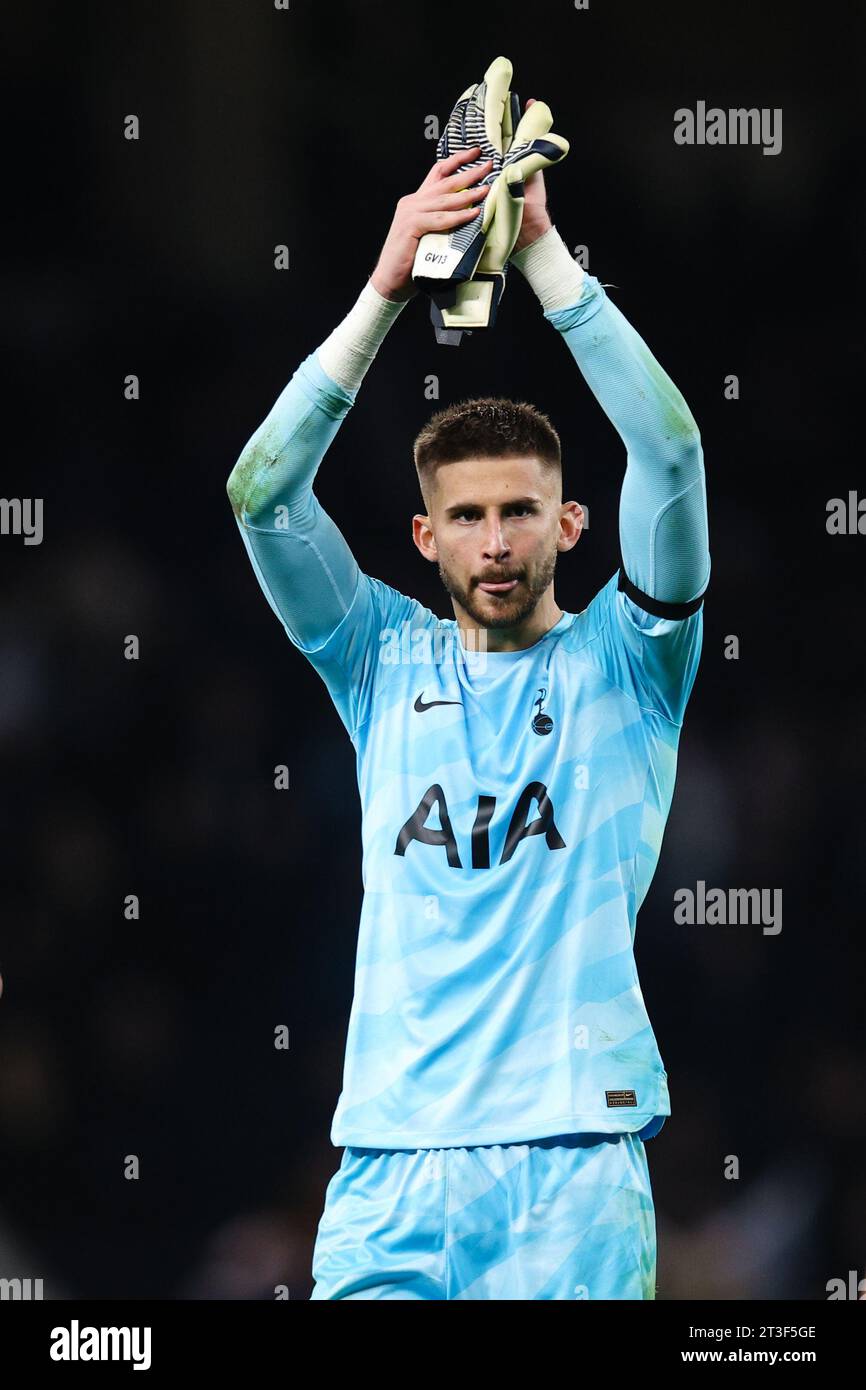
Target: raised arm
x,y
663,512
301,559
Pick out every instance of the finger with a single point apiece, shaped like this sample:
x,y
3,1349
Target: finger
x,y
497,80
445,202
443,221
536,120
456,183
554,148
466,178
443,167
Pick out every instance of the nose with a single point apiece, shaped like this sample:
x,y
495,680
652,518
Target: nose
x,y
496,546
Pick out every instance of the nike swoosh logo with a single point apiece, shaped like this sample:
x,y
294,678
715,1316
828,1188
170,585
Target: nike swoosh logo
x,y
420,705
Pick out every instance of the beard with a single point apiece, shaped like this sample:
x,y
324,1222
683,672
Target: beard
x,y
504,610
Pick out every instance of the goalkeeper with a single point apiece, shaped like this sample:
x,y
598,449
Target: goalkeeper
x,y
502,1077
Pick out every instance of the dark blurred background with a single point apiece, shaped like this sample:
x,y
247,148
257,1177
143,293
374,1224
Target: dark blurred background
x,y
155,777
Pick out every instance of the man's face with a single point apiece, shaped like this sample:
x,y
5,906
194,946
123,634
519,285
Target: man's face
x,y
496,526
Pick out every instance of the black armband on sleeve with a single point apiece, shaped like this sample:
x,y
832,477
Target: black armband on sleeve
x,y
654,605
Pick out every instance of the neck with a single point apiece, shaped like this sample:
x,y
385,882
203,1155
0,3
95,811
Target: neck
x,y
509,639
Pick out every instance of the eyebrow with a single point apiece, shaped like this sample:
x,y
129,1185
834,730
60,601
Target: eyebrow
x,y
527,501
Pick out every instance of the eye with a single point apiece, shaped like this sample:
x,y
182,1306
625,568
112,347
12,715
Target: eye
x,y
516,507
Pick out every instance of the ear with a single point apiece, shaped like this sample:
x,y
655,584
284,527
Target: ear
x,y
571,521
422,535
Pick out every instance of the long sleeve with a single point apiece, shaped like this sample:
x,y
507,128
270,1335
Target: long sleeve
x,y
302,561
663,510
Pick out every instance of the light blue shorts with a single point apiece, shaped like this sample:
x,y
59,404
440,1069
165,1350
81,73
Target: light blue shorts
x,y
569,1217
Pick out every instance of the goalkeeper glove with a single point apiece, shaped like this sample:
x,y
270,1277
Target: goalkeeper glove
x,y
460,303
533,148
483,115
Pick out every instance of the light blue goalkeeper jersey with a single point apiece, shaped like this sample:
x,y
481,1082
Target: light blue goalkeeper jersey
x,y
513,803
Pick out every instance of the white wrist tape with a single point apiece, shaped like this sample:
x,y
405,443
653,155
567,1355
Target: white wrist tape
x,y
346,355
555,276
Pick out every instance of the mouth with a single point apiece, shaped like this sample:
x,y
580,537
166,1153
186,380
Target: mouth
x,y
501,587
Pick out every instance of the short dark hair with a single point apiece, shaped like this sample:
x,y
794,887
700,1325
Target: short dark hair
x,y
486,427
